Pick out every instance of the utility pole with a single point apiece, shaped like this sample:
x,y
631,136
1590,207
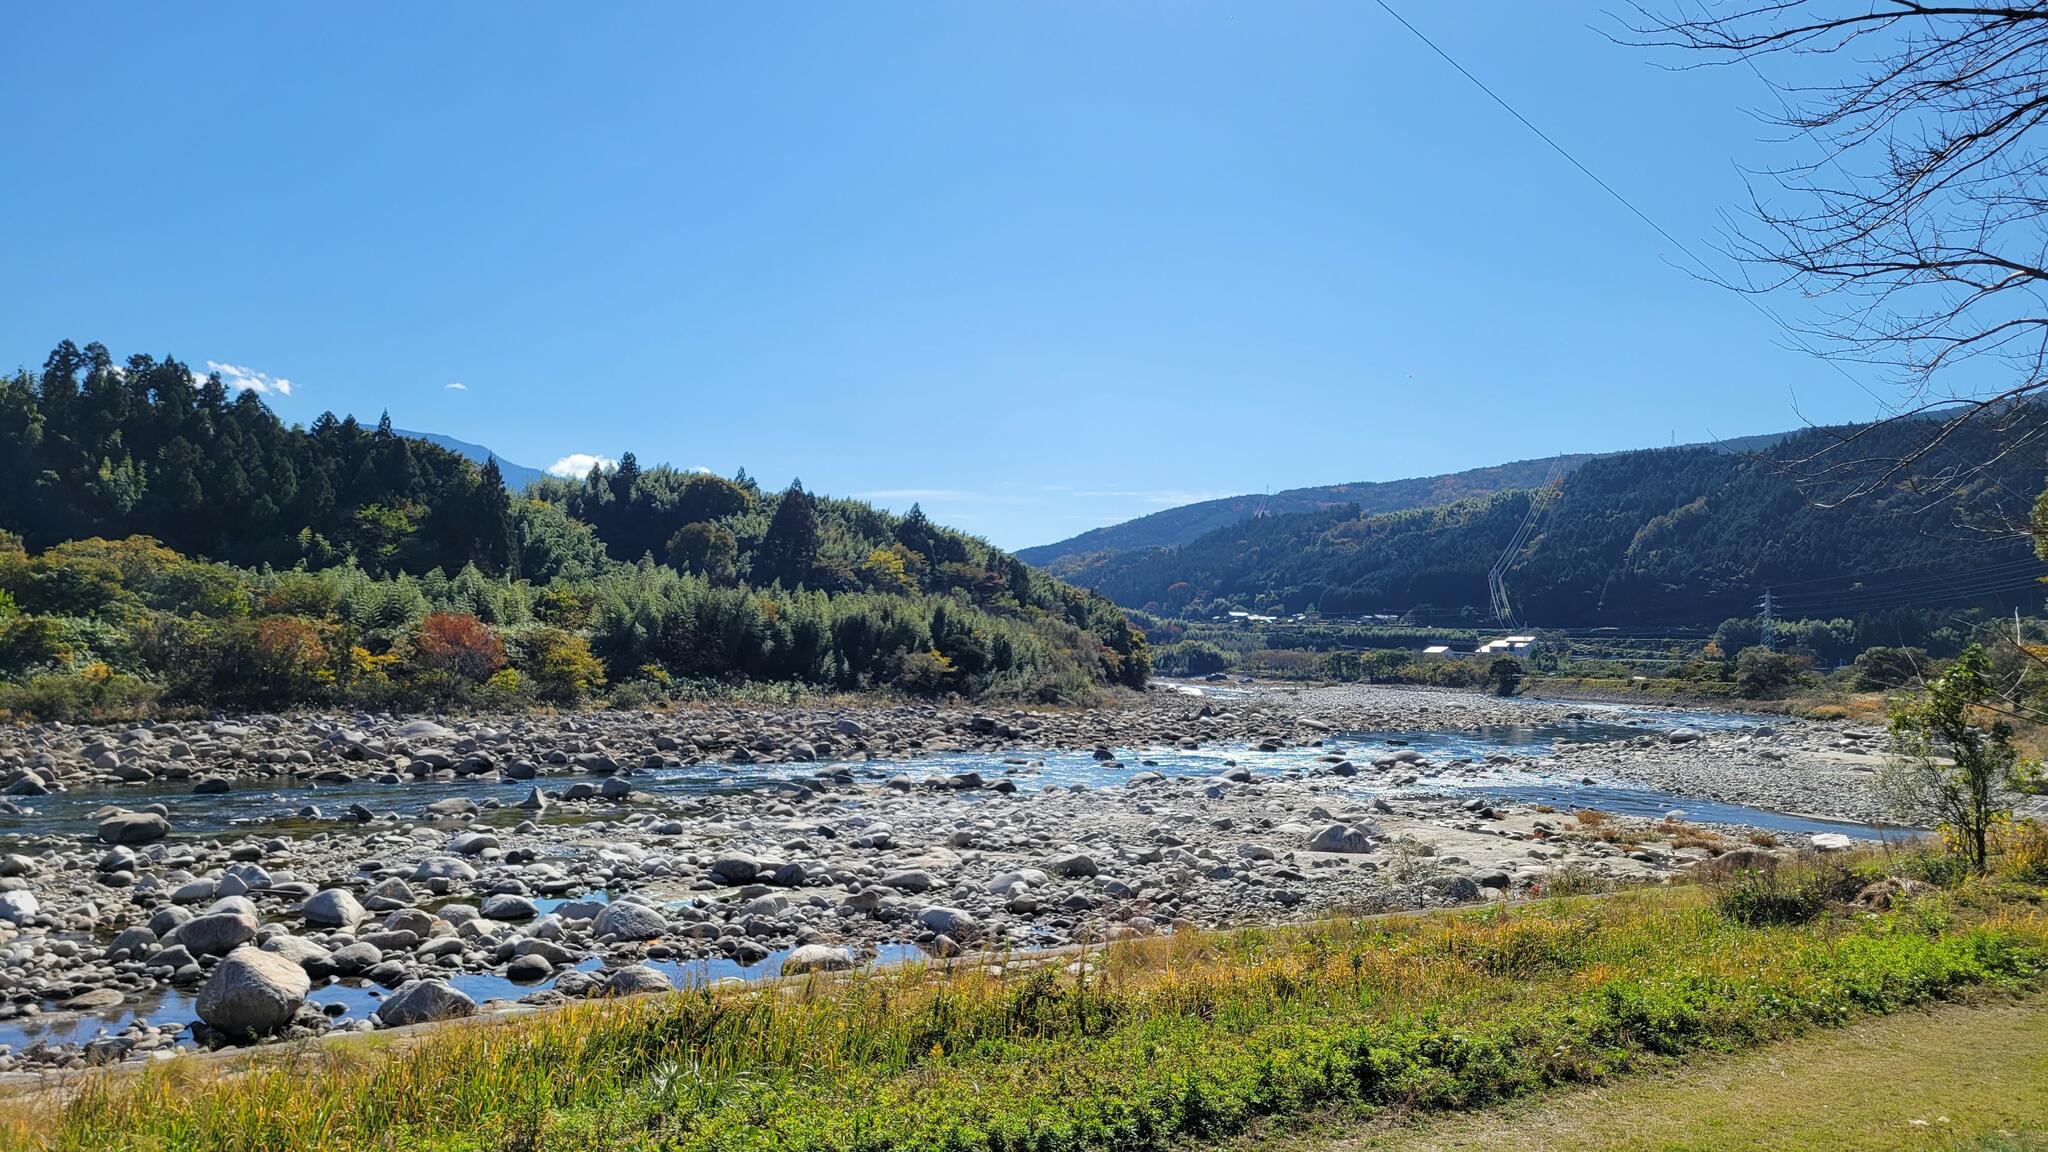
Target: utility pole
x,y
2015,625
1769,641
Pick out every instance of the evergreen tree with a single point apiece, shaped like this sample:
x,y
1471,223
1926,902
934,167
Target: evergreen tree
x,y
790,546
496,544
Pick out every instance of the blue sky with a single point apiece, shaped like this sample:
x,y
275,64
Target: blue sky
x,y
1041,267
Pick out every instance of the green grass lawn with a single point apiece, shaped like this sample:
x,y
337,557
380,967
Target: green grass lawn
x,y
1197,1037
1953,1077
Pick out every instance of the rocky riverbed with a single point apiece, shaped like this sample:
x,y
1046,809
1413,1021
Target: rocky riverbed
x,y
280,876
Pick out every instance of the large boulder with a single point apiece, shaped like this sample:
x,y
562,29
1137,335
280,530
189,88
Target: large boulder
x,y
214,934
425,730
18,906
913,880
252,993
133,828
954,922
1462,889
443,868
636,979
1075,865
1743,859
816,958
1010,883
509,906
310,955
628,921
423,1001
1341,838
472,843
735,868
132,943
333,908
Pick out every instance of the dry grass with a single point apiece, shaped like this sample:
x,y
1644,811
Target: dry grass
x,y
1683,835
1189,1037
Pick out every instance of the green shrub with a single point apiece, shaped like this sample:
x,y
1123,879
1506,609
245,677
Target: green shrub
x,y
94,694
1775,895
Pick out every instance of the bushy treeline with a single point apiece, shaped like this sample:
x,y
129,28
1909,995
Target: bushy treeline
x,y
1663,537
91,447
343,563
99,627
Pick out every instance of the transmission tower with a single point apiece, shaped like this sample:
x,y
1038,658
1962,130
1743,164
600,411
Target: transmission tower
x,y
1768,640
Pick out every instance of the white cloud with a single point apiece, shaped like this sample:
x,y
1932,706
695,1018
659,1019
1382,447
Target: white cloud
x,y
236,376
457,386
701,470
577,465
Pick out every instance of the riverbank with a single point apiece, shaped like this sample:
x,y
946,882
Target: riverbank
x,y
1196,1036
425,869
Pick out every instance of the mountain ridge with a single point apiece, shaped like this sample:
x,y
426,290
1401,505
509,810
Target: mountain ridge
x,y
517,476
1184,523
1665,536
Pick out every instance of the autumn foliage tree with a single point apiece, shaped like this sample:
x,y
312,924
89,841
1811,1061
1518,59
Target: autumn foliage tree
x,y
561,667
458,646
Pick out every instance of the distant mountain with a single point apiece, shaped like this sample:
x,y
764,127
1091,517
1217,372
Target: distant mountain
x,y
517,476
1181,525
1176,526
1665,536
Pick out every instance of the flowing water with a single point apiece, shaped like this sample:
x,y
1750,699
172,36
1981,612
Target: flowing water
x,y
255,809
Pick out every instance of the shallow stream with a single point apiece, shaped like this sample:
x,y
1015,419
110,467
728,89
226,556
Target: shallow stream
x,y
1456,765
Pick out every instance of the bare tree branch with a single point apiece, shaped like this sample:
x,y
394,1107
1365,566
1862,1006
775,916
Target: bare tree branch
x,y
1918,222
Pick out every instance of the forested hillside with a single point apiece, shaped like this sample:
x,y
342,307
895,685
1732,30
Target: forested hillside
x,y
1181,525
159,538
1684,535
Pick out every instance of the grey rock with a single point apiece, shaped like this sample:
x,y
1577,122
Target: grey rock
x,y
509,906
735,868
422,1002
636,980
1349,838
215,933
817,958
19,906
1072,865
955,922
333,908
133,828
252,993
625,920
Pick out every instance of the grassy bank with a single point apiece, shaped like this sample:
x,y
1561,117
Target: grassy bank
x,y
1197,1036
1815,702
1958,1078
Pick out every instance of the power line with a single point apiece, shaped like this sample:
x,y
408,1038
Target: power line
x,y
1781,584
1625,202
1922,583
1930,599
1798,340
1882,603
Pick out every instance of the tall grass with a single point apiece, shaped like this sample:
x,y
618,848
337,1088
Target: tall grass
x,y
1190,1036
